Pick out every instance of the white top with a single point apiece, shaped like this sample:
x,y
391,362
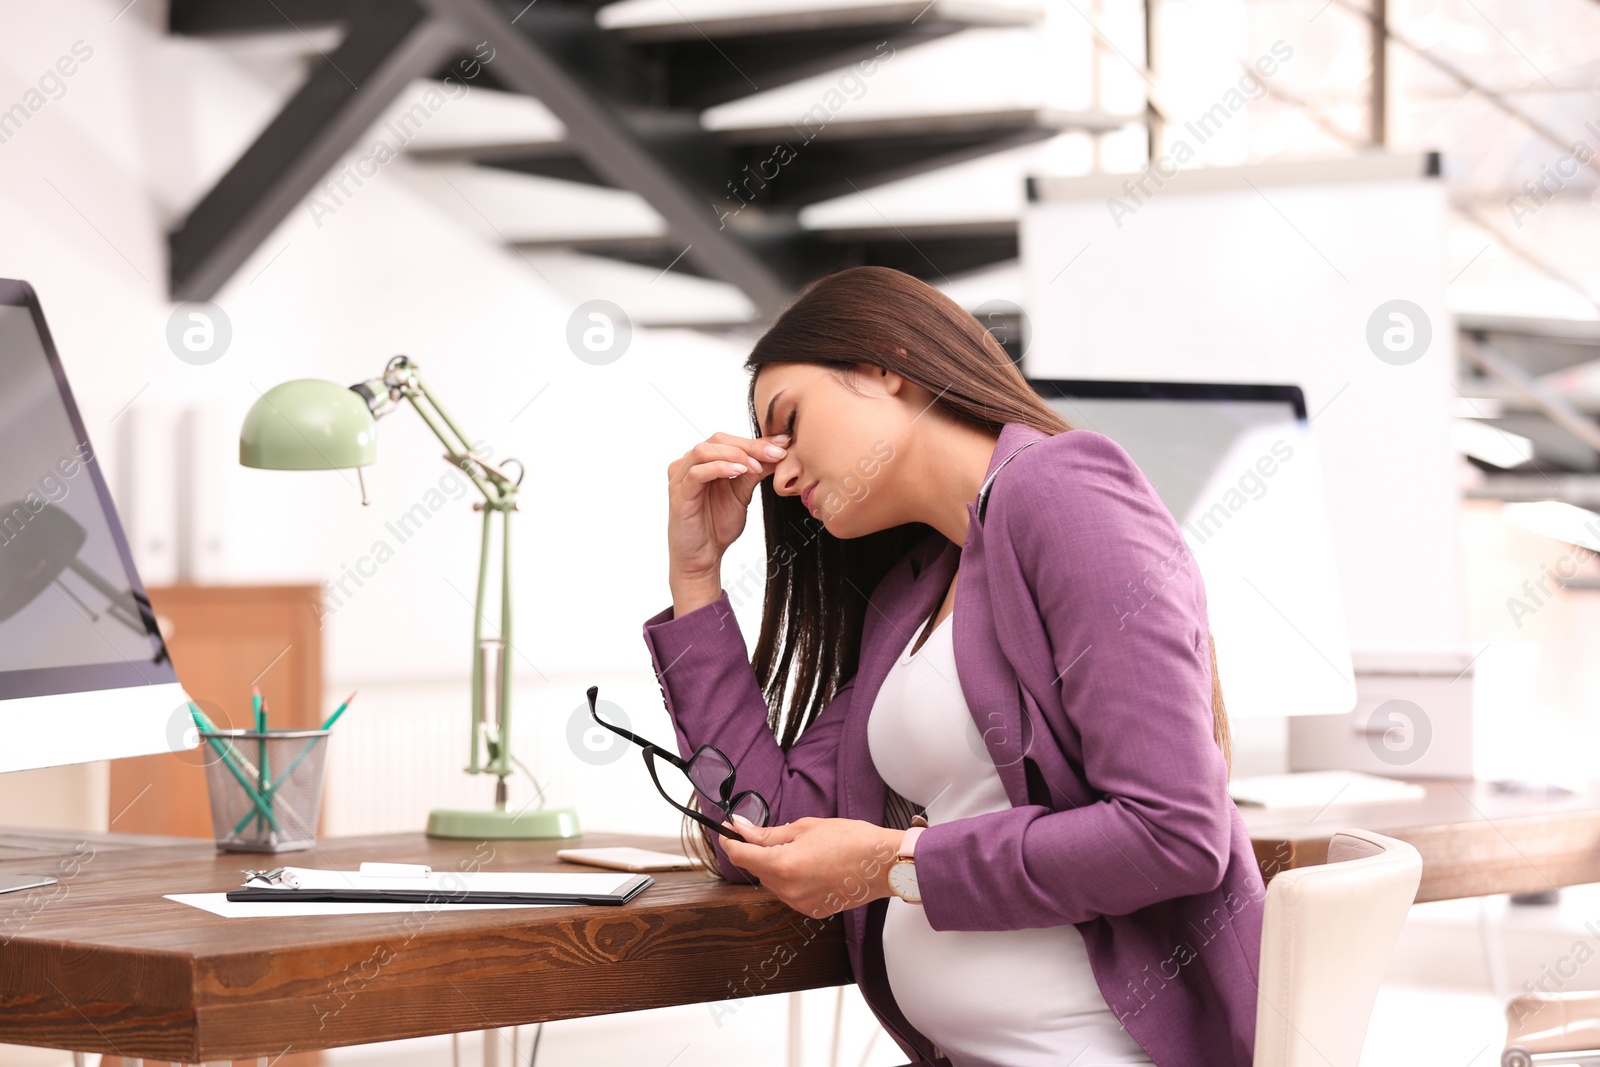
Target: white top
x,y
1013,997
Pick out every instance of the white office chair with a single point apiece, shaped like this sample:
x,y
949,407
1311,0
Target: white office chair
x,y
1553,1028
1326,937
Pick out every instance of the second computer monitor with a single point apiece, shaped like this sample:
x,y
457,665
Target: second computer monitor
x,y
1237,467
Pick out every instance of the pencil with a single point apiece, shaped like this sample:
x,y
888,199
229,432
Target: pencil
x,y
224,750
260,707
338,712
305,750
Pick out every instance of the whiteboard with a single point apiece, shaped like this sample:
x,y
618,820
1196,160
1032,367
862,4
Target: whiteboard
x,y
1278,273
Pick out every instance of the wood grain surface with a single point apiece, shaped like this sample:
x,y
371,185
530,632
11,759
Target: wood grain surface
x,y
102,963
1474,840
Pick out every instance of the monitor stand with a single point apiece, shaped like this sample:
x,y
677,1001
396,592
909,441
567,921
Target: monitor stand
x,y
15,883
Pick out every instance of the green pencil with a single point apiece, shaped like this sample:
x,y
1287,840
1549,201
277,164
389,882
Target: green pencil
x,y
225,751
338,712
305,750
259,706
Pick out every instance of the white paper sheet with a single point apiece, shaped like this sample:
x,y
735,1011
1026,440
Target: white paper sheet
x,y
450,882
1315,789
219,904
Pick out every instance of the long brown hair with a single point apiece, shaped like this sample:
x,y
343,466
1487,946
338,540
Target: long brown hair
x,y
818,585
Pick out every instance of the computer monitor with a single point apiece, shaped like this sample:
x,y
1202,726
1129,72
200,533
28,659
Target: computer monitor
x,y
84,673
1237,467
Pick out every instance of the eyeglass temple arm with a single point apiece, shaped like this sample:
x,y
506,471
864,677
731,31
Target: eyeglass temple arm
x,y
629,734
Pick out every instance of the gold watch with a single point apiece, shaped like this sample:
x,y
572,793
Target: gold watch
x,y
903,871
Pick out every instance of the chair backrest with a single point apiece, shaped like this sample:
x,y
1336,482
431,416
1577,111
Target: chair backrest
x,y
1326,937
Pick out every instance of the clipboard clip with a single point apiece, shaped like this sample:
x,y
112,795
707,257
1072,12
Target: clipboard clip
x,y
278,876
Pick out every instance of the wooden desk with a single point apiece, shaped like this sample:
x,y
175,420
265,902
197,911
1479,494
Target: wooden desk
x,y
1474,840
107,965
101,963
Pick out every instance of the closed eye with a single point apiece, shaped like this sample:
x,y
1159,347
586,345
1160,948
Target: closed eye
x,y
789,428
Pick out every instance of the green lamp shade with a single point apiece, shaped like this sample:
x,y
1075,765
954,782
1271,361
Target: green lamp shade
x,y
308,425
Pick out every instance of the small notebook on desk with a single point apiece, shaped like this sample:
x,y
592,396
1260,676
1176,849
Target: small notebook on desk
x,y
448,887
1315,789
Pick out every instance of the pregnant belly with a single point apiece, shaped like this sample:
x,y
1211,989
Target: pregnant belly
x,y
981,992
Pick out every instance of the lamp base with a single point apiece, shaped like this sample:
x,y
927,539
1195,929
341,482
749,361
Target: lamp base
x,y
496,825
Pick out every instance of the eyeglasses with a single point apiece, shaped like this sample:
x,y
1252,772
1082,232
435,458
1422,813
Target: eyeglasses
x,y
707,769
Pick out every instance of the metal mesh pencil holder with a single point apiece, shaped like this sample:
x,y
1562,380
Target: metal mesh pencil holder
x,y
266,788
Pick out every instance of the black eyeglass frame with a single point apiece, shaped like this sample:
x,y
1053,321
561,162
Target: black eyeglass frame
x,y
651,751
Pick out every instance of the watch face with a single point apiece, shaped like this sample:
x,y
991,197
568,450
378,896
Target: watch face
x,y
903,880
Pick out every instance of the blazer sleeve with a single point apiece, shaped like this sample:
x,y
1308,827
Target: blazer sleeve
x,y
1082,538
714,698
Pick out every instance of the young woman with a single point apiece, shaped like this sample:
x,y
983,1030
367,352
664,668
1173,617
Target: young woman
x,y
1015,794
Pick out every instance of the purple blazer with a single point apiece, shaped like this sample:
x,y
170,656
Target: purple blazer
x,y
1080,639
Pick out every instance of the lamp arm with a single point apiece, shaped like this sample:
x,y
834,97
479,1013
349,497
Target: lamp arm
x,y
402,379
494,489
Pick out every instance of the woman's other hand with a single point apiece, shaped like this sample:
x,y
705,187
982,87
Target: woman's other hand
x,y
709,490
817,866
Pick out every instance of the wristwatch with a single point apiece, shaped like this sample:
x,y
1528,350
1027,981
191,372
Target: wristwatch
x,y
903,871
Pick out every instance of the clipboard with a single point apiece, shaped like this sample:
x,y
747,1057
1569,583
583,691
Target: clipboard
x,y
304,884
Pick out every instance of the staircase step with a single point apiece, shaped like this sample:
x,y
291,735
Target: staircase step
x,y
933,251
659,251
651,21
931,126
838,157
710,53
929,250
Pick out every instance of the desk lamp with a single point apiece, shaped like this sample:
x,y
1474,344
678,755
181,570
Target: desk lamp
x,y
309,424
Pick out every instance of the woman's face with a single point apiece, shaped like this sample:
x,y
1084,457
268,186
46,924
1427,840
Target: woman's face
x,y
841,440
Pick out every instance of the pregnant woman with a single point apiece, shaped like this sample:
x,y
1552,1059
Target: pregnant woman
x,y
1015,794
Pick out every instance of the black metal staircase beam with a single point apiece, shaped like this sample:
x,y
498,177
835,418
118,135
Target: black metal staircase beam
x,y
387,44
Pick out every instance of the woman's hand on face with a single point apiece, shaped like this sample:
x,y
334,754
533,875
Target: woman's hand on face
x,y
709,490
817,866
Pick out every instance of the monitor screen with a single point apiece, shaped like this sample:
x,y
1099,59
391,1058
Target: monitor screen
x,y
1237,467
73,614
